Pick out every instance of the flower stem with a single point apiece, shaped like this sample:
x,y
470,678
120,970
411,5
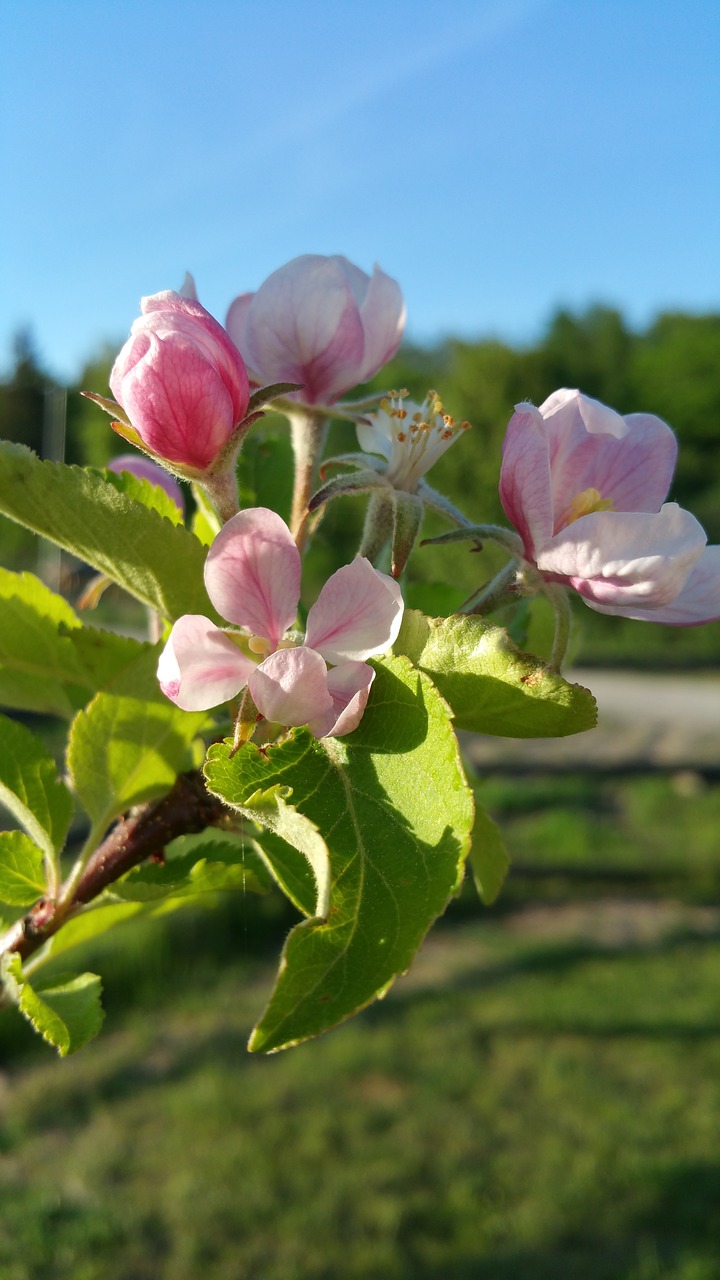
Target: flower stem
x,y
559,599
307,432
500,591
221,488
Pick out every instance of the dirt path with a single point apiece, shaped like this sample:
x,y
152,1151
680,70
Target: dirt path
x,y
644,720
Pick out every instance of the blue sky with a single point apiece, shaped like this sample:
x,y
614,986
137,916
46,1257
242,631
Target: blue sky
x,y
498,157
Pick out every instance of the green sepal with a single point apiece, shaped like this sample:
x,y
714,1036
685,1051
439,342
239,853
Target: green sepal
x,y
490,684
348,484
408,513
264,395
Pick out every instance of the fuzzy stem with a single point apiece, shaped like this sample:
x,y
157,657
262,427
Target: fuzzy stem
x,y
221,488
500,591
307,432
559,599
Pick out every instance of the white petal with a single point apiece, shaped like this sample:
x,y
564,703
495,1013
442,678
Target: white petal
x,y
200,667
357,614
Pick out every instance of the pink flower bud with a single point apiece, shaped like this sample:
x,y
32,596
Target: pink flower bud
x,y
181,381
320,321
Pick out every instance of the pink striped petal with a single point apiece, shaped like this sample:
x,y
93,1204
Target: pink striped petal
x,y
630,461
628,559
349,688
252,573
236,325
698,600
290,687
200,667
357,614
382,312
303,325
525,484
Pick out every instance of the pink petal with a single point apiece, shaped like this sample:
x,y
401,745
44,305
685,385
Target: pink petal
x,y
290,687
357,614
698,600
236,325
200,667
630,461
525,486
627,559
168,314
303,325
252,573
349,688
383,319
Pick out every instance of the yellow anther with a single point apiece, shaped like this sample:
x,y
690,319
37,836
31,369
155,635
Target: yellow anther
x,y
585,504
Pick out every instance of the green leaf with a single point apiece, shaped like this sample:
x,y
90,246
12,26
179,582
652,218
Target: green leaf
x,y
21,869
292,872
36,660
116,664
123,751
290,830
67,1014
226,864
488,858
142,490
31,789
391,802
50,662
490,684
159,563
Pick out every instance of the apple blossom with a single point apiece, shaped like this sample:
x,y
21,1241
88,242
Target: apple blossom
x,y
585,489
252,575
319,321
181,382
401,442
409,437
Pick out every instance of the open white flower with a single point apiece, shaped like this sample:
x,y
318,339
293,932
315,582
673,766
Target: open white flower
x,y
410,437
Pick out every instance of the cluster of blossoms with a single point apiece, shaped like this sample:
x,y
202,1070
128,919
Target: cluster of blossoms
x,y
584,487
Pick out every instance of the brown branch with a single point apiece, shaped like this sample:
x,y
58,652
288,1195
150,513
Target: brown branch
x,y
185,810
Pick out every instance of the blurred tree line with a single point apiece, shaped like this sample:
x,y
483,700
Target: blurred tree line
x,y
671,369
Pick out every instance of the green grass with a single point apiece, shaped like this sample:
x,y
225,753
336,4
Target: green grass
x,y
537,1100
